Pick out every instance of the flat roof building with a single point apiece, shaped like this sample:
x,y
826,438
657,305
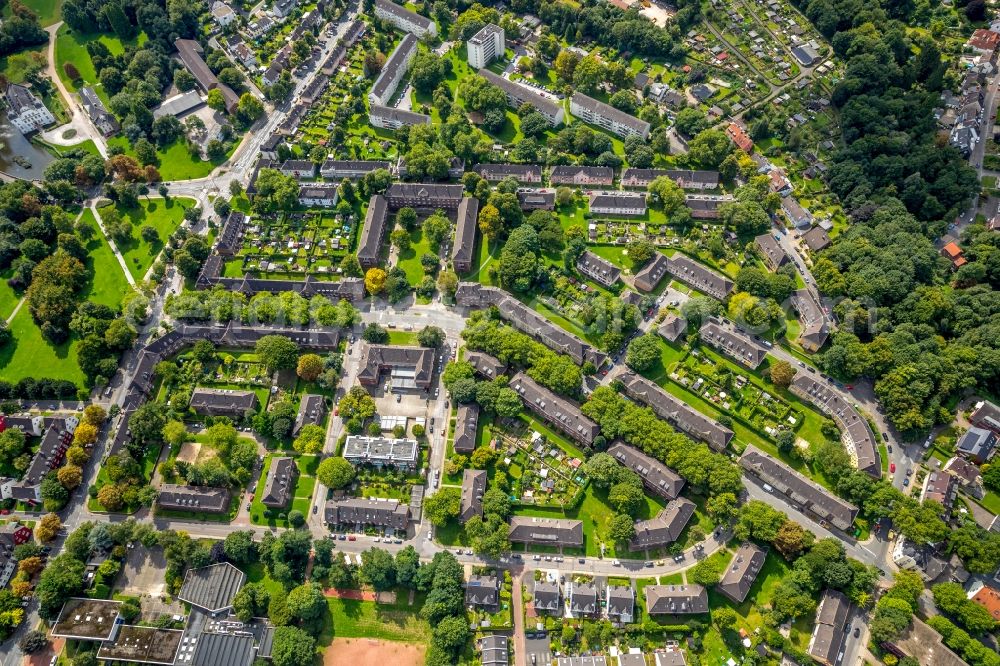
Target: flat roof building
x,y
382,452
212,588
217,649
144,645
486,46
87,619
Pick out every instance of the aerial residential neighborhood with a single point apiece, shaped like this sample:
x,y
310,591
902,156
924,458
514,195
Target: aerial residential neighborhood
x,y
553,332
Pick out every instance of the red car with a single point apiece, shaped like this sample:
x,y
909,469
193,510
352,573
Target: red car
x,y
352,538
892,468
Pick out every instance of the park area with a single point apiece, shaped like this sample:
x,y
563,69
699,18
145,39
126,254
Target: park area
x,y
163,215
295,244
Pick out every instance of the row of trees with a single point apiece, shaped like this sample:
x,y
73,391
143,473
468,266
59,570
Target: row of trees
x,y
287,308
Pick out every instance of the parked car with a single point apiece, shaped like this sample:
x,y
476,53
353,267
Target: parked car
x,y
892,468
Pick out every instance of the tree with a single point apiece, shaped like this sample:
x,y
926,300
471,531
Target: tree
x,y
60,580
357,404
277,352
239,547
643,352
431,336
216,101
110,497
724,617
781,373
292,647
400,238
621,529
174,432
94,415
311,439
48,527
33,641
626,497
708,148
378,568
307,605
667,194
490,222
85,434
70,476
442,506
375,281
707,572
451,633
309,367
335,472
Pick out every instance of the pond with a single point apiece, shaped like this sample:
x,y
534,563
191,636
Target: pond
x,y
14,144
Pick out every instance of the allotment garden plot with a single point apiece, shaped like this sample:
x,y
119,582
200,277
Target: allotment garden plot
x,y
541,473
295,244
733,393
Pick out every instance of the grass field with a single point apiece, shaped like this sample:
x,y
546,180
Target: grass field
x,y
108,284
368,619
175,161
409,260
164,216
71,46
48,10
29,355
404,338
8,297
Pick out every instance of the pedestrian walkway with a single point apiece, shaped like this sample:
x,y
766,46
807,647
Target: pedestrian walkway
x,y
111,242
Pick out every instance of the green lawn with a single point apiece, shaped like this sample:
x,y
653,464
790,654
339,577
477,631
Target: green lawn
x,y
71,46
176,161
108,284
307,465
409,259
404,338
367,619
164,216
48,10
8,297
28,354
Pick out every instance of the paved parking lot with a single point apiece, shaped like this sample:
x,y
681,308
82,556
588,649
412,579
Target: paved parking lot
x,y
537,647
142,574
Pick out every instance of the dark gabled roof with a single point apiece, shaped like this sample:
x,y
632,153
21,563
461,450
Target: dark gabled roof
x,y
368,511
771,250
598,268
649,277
583,598
279,486
231,237
854,427
482,590
676,599
546,531
429,193
742,572
193,498
376,358
665,528
673,327
734,344
675,410
655,475
223,650
373,231
486,365
353,166
397,60
473,487
495,650
190,54
212,588
523,173
633,177
312,408
406,14
621,600
828,633
401,116
546,595
802,490
465,231
230,400
977,442
702,278
561,412
617,201
466,425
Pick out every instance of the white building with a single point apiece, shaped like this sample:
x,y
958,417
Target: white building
x,y
26,112
486,46
606,116
404,19
393,71
517,95
222,14
389,118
